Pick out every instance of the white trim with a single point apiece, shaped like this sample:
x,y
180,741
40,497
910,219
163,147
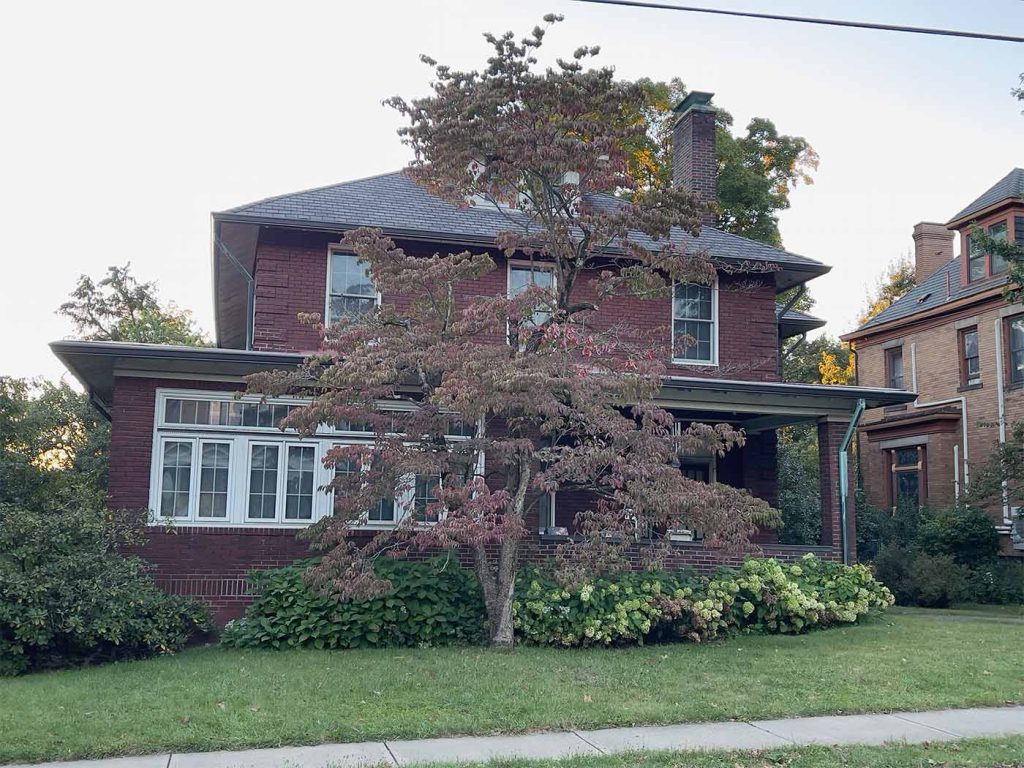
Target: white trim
x,y
241,441
553,507
533,266
333,248
713,361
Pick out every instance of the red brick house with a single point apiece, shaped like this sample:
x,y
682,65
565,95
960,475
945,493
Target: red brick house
x,y
955,341
238,489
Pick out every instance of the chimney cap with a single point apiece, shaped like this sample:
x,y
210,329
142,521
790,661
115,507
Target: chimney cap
x,y
699,100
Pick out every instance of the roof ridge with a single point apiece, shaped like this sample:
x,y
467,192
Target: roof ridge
x,y
272,198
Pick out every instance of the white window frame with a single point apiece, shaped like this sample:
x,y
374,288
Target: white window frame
x,y
533,266
332,249
713,361
198,462
552,506
240,441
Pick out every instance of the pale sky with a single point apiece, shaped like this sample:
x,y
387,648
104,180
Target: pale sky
x,y
124,124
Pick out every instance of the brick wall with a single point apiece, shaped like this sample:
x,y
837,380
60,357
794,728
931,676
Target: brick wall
x,y
211,564
291,278
937,352
131,436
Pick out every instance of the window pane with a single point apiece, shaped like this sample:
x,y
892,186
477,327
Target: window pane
x,y
895,368
692,340
176,479
1017,350
520,277
350,277
299,483
545,511
998,232
213,480
383,512
426,494
977,267
691,301
908,488
906,457
172,410
263,482
350,305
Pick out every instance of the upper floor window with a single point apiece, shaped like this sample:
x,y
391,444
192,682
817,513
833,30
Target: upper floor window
x,y
894,368
970,362
694,323
350,291
522,275
979,263
1016,339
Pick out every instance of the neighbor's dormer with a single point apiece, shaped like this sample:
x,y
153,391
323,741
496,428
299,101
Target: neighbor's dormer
x,y
1000,213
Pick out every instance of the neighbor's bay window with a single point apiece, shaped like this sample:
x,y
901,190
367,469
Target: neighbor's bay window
x,y
694,323
350,290
221,461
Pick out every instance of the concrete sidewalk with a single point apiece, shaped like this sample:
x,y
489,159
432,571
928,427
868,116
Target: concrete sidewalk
x,y
945,725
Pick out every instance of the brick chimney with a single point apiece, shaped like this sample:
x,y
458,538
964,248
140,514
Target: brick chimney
x,y
933,247
694,166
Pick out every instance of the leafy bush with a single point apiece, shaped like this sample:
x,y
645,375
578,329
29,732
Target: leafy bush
x,y
763,595
67,597
1000,582
620,609
916,578
968,535
431,603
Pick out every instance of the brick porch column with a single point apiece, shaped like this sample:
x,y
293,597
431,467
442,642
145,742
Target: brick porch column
x,y
830,436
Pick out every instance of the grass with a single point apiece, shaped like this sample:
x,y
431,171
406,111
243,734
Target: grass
x,y
990,753
212,698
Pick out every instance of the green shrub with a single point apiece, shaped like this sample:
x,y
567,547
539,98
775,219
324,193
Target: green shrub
x,y
624,608
1000,582
67,597
967,535
916,578
763,595
433,602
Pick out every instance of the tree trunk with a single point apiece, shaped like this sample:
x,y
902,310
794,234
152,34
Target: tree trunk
x,y
498,582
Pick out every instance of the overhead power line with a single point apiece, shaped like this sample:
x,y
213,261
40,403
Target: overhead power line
x,y
811,20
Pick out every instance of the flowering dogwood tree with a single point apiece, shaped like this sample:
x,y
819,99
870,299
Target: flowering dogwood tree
x,y
483,404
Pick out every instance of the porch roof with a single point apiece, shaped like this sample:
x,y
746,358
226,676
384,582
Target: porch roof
x,y
757,405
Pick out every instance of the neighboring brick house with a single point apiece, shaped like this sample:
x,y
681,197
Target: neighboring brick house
x,y
955,341
238,489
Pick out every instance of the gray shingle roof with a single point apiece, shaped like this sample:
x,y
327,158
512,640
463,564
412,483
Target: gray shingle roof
x,y
796,315
932,292
396,204
1008,187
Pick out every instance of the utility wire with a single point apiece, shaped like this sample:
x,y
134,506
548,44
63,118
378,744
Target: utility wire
x,y
810,20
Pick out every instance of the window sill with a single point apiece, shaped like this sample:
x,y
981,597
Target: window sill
x,y
1014,385
970,387
695,363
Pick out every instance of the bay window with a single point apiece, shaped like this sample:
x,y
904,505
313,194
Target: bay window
x,y
222,461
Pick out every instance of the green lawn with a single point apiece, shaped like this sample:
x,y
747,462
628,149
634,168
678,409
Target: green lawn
x,y
212,698
977,753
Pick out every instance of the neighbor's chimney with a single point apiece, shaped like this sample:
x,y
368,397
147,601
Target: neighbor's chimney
x,y
694,167
933,247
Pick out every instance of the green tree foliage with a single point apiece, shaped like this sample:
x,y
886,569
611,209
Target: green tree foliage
x,y
824,360
756,170
53,443
893,284
120,308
